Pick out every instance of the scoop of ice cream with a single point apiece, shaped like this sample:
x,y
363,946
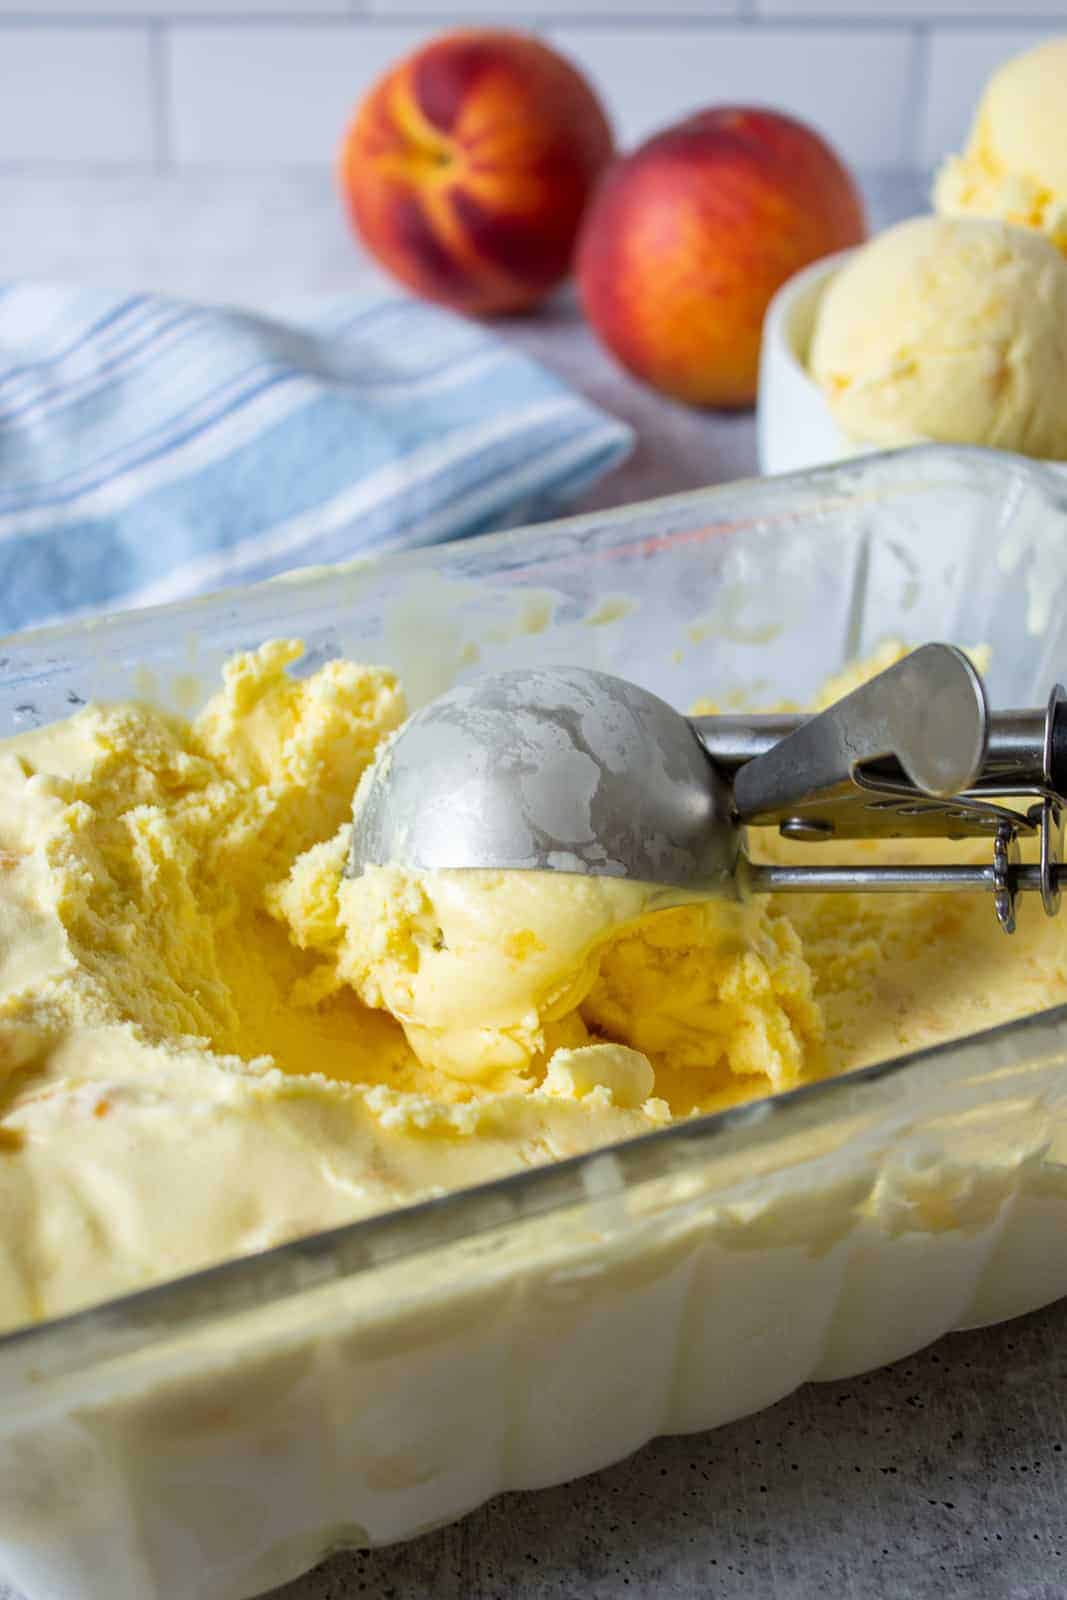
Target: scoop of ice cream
x,y
1015,164
478,966
496,973
954,330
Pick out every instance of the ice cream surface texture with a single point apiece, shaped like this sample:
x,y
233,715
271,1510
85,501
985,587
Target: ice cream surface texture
x,y
1015,164
952,330
210,1041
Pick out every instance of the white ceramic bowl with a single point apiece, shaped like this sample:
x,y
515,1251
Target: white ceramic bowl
x,y
794,426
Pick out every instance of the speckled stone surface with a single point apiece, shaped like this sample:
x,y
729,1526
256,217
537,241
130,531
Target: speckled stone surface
x,y
943,1476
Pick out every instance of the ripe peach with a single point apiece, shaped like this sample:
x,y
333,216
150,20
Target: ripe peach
x,y
467,167
689,237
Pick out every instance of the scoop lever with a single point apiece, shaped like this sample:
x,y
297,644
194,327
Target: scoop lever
x,y
918,729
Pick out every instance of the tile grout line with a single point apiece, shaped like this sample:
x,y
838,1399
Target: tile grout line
x,y
745,14
91,171
159,78
920,91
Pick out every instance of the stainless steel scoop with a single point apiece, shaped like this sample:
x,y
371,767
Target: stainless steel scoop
x,y
564,769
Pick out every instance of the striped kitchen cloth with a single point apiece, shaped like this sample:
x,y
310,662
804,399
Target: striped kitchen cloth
x,y
151,449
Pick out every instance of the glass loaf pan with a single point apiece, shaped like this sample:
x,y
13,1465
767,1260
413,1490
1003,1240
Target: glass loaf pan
x,y
215,1436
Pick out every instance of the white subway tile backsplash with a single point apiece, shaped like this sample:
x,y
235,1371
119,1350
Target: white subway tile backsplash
x,y
266,95
83,10
913,10
960,63
854,86
271,82
75,94
499,11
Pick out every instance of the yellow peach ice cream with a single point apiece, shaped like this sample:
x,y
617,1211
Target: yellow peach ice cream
x,y
948,329
1014,167
211,1041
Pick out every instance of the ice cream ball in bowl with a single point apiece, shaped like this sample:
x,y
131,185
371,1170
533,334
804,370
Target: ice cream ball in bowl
x,y
941,329
1014,164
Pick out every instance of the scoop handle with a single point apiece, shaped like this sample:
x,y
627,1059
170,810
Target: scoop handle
x,y
1015,742
733,739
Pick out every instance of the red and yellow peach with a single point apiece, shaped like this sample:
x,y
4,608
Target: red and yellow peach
x,y
689,238
467,168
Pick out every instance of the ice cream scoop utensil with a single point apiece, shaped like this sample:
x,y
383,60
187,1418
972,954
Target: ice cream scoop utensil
x,y
565,769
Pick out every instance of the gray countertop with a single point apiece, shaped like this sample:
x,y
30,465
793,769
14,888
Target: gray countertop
x,y
941,1476
945,1475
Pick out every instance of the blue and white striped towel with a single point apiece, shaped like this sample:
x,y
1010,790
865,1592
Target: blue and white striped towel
x,y
150,449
